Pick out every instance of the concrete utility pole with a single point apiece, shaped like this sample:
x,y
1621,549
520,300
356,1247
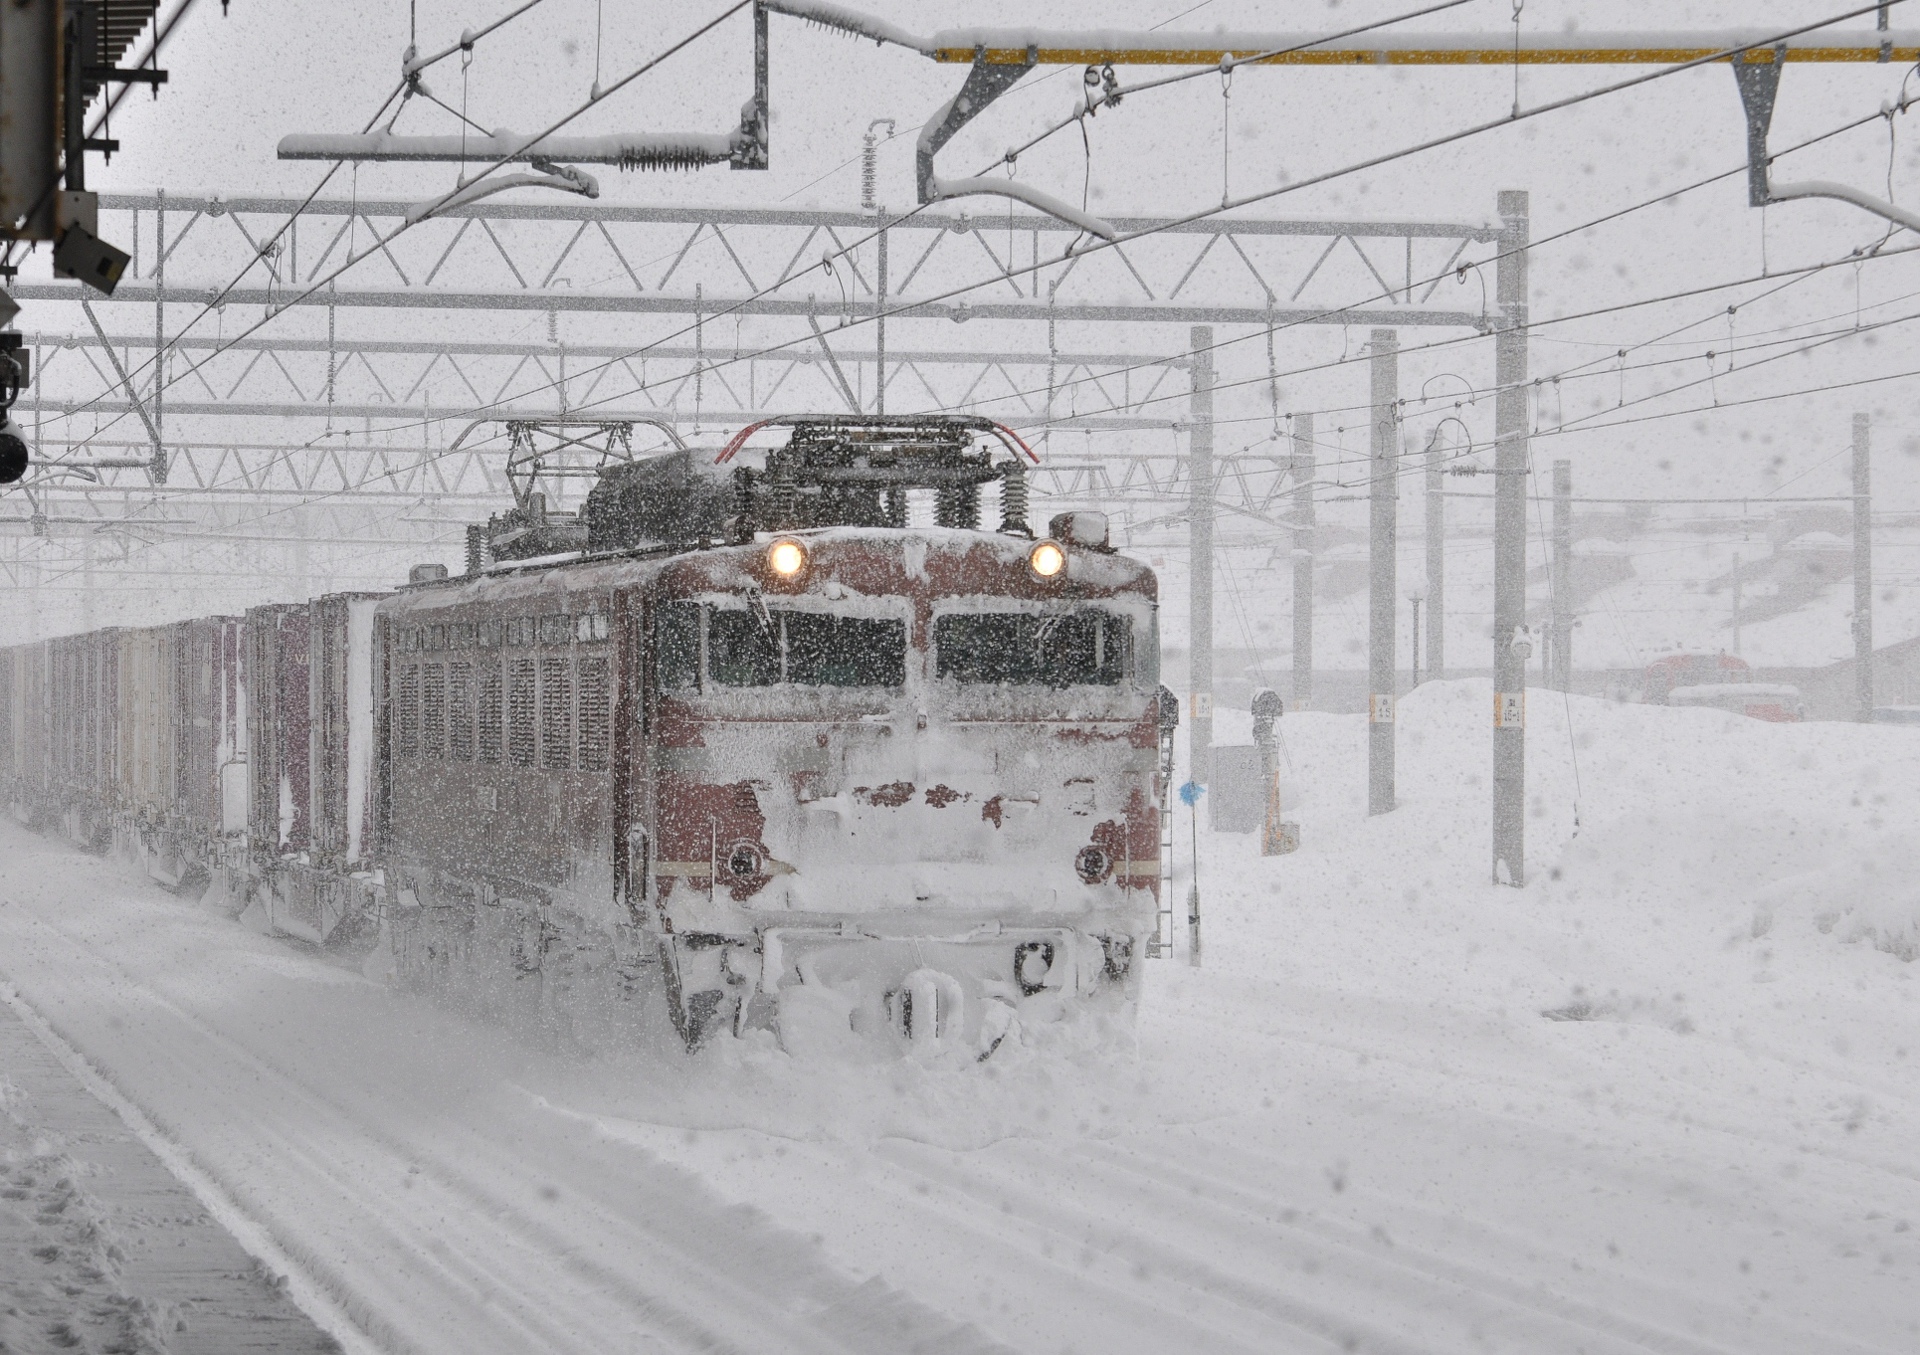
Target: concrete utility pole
x,y
1862,569
1563,575
1510,545
1305,468
1436,564
1415,596
1200,554
1382,547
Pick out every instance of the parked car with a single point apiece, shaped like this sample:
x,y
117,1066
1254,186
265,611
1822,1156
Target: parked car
x,y
1774,701
1690,670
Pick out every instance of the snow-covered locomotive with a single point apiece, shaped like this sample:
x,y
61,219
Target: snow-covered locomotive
x,y
759,745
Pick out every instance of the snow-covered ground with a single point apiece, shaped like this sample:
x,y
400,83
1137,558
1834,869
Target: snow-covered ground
x,y
1660,1099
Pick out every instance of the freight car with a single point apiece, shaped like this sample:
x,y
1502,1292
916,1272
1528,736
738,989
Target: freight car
x,y
129,737
760,748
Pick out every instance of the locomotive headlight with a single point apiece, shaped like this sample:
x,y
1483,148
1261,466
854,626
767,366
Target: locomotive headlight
x,y
1046,560
786,557
1092,865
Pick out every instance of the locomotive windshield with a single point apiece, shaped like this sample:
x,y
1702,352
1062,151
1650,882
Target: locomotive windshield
x,y
743,647
748,648
1086,647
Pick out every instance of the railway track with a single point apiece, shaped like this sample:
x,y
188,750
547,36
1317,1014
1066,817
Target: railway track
x,y
421,1222
1366,1186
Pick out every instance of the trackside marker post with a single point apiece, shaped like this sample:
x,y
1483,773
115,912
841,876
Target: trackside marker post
x,y
1190,794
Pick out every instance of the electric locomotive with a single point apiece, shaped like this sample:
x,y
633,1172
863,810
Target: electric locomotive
x,y
763,747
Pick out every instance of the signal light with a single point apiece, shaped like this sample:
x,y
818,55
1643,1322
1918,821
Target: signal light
x,y
786,557
13,451
1046,560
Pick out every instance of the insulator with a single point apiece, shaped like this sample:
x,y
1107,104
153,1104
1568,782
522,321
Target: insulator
x,y
1013,499
743,503
784,495
957,506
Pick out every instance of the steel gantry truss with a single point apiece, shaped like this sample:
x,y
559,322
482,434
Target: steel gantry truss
x,y
687,315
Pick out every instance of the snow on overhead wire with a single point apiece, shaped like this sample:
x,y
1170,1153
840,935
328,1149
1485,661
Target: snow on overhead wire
x,y
851,22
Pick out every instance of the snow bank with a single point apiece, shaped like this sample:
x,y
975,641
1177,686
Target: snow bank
x,y
1874,898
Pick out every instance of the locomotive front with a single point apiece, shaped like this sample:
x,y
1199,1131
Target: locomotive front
x,y
899,779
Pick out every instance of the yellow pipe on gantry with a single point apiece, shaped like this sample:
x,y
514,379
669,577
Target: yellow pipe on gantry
x,y
1003,47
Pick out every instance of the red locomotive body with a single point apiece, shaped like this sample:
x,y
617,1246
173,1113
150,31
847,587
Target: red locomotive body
x,y
829,779
824,782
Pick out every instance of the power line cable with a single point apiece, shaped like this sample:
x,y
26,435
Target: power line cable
x,y
420,465
1160,227
412,68
1575,374
1112,95
409,85
1224,343
1230,341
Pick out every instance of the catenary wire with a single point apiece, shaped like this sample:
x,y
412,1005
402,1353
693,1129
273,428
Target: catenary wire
x,y
1159,227
382,241
403,90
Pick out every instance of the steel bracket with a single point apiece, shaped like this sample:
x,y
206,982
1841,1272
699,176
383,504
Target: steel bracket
x,y
985,82
752,152
1759,83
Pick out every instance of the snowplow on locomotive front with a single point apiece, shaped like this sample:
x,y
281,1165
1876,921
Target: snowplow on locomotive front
x,y
766,749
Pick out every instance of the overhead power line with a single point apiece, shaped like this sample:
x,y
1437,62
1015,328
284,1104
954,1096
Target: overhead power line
x,y
1369,163
807,9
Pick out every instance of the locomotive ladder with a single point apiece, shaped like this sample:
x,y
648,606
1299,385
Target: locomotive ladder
x,y
1162,943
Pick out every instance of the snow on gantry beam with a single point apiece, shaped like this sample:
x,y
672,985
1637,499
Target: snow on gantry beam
x,y
663,150
1146,47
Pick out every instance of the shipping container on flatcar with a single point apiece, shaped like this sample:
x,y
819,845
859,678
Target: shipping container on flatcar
x,y
278,717
199,808
132,737
314,762
145,766
25,719
342,728
83,694
213,730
